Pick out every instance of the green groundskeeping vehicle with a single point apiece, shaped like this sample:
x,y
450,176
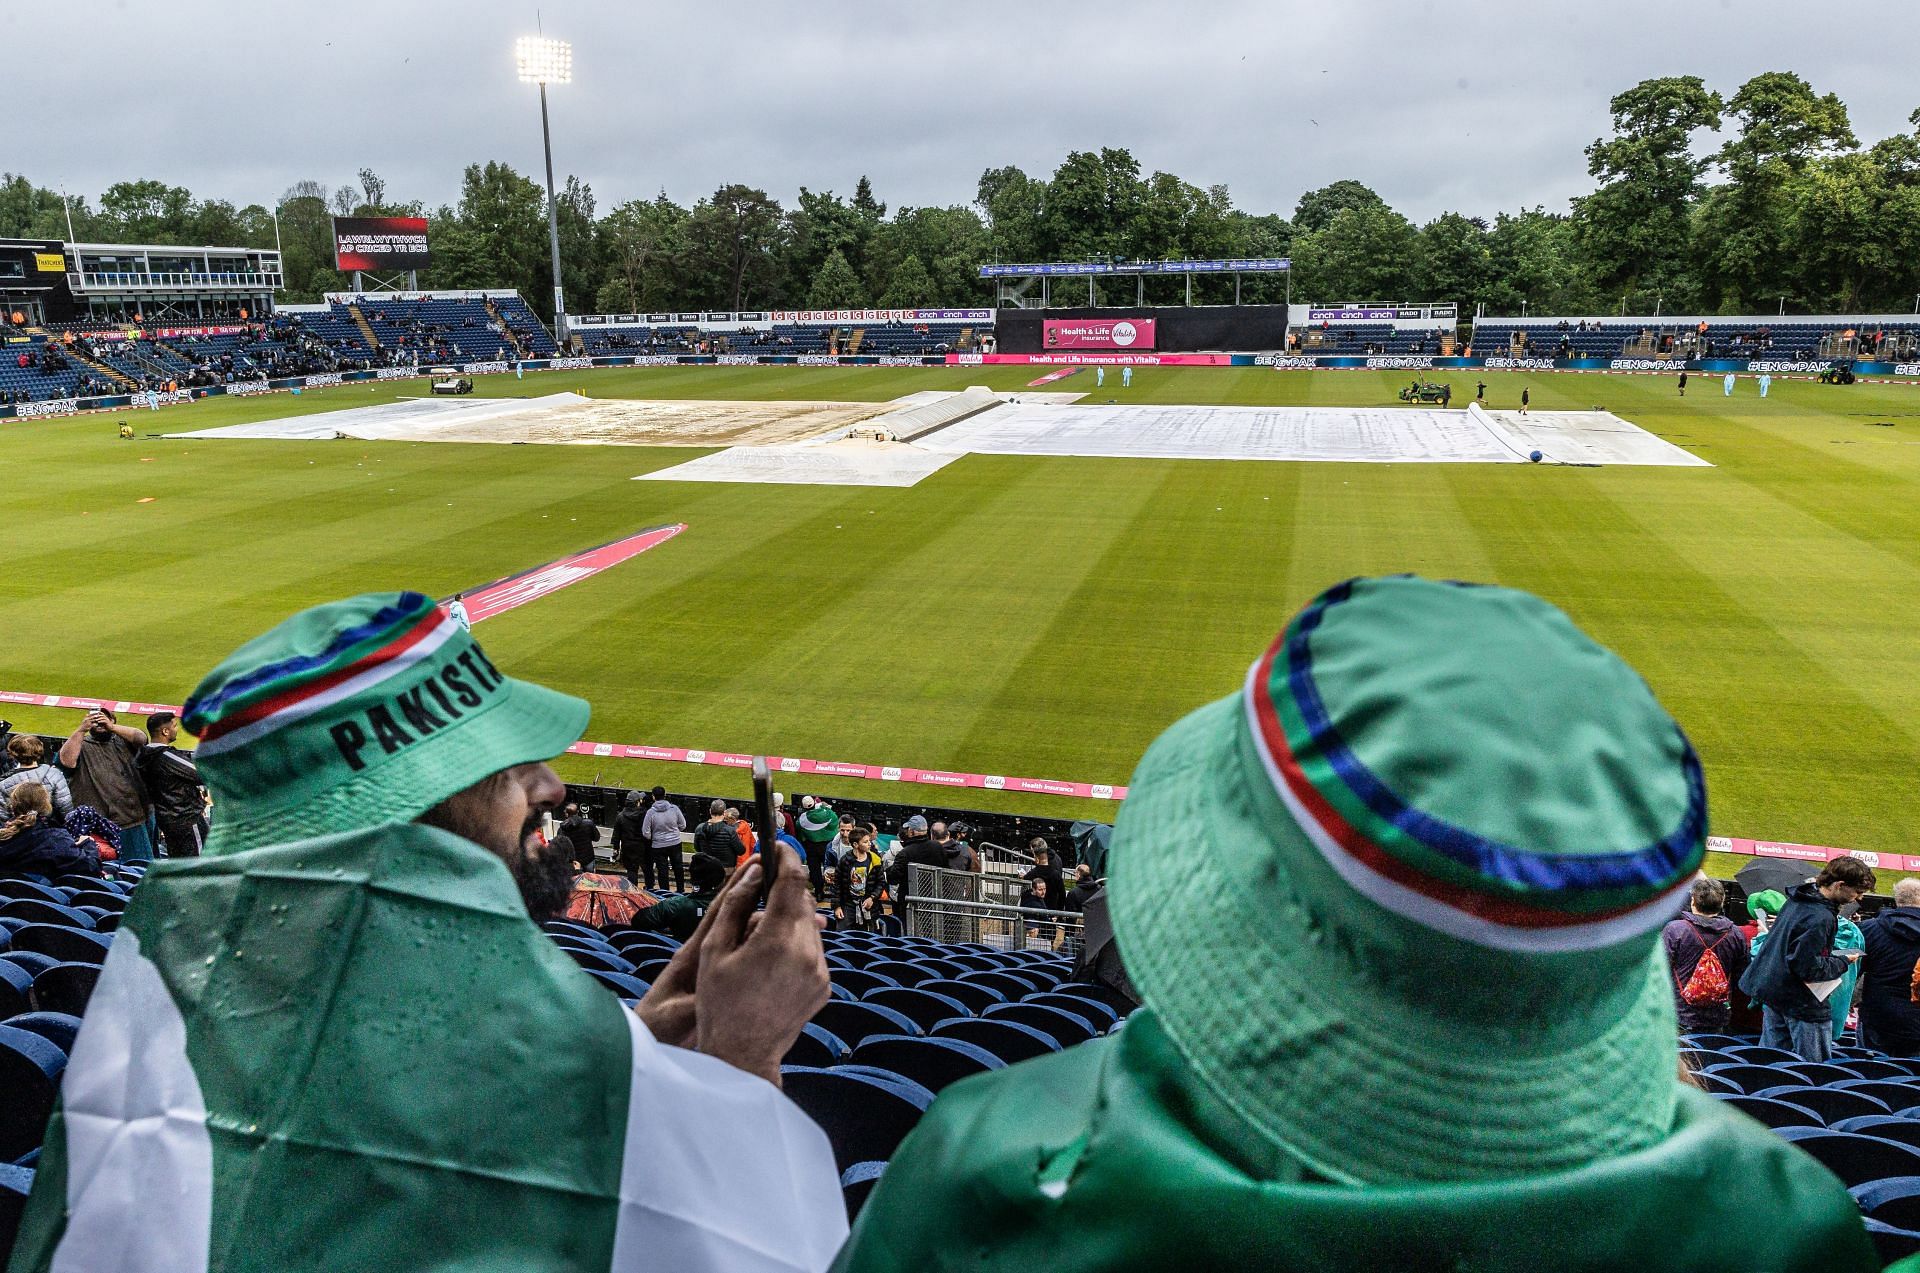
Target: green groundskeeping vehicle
x,y
1426,391
1840,373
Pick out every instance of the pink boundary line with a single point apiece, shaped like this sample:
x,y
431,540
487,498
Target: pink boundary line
x,y
699,756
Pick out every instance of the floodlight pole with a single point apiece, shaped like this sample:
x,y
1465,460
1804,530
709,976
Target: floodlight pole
x,y
553,226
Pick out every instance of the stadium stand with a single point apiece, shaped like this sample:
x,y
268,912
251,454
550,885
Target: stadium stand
x,y
1788,339
865,1069
890,339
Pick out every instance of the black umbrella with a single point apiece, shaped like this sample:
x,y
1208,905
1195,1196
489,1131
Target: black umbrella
x,y
1762,874
1099,962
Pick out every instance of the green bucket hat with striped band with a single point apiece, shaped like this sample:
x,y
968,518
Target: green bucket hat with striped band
x,y
361,712
1434,838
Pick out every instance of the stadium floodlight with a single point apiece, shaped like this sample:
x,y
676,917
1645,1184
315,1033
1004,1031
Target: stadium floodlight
x,y
543,62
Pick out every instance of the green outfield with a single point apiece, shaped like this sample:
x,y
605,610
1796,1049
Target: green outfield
x,y
1033,616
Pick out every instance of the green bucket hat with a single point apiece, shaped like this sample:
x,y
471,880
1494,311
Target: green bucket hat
x,y
1433,840
1769,900
358,713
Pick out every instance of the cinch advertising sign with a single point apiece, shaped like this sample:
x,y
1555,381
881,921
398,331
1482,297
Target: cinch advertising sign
x,y
1098,333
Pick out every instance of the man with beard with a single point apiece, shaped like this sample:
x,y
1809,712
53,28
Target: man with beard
x,y
364,913
102,760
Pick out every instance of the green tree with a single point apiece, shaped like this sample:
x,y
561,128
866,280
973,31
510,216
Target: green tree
x,y
1453,261
733,241
1013,207
643,241
1533,265
909,287
1633,230
496,236
146,211
1364,253
835,285
950,244
1093,204
1317,208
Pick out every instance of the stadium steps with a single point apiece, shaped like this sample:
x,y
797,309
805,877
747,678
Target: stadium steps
x,y
366,328
501,325
108,370
853,341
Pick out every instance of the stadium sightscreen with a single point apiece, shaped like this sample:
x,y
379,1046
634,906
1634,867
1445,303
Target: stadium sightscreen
x,y
380,243
1073,269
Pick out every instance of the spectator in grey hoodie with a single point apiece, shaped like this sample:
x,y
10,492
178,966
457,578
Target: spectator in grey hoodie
x,y
662,827
28,756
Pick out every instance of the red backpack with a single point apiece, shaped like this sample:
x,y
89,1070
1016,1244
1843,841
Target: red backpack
x,y
1708,983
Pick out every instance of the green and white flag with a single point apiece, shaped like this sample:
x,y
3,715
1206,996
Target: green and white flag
x,y
357,1052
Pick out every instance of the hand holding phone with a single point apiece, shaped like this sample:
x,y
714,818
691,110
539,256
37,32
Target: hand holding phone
x,y
763,824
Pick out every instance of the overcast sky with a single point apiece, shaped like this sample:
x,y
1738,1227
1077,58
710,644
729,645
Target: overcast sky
x,y
1460,105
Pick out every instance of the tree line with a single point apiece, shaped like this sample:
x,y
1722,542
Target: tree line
x,y
1701,203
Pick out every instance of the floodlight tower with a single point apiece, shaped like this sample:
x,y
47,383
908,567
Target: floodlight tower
x,y
543,62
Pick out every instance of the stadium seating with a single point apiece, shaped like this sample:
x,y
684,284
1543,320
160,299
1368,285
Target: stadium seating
x,y
1785,339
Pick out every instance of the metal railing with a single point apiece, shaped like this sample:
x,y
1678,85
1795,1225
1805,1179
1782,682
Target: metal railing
x,y
984,907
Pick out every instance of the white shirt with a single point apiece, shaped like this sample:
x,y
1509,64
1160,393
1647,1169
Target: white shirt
x,y
458,609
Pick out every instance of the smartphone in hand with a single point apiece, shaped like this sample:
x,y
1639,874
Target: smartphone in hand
x,y
763,826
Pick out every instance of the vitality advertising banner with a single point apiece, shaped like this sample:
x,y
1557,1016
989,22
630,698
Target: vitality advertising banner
x,y
1098,333
381,243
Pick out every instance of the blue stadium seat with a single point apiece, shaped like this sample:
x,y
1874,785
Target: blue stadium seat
x,y
1754,1078
1063,1028
1012,985
856,1182
1775,1114
855,1021
922,1007
865,1118
598,960
15,1184
57,1028
650,968
30,1069
64,944
1893,1200
978,998
1891,1245
851,956
816,1048
1897,1096
1873,1068
932,1063
944,968
902,973
1885,1126
65,988
106,899
1008,1040
1830,1103
1754,1054
16,989
33,890
1100,994
1859,1159
623,984
1819,1072
1096,1014
643,945
860,981
42,912
33,961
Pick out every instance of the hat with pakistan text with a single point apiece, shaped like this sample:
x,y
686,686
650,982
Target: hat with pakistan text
x,y
1396,902
361,712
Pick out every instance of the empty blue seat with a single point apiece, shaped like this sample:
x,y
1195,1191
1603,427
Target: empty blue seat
x,y
65,988
1775,1114
64,944
1858,1159
932,1063
816,1048
16,989
1754,1054
33,961
856,1182
598,960
1012,985
855,1021
1063,1028
978,998
1011,1041
30,1069
865,1118
859,981
1885,1126
1897,1096
623,984
1831,1103
35,911
902,973
924,1008
1100,994
1095,1013
852,956
1754,1078
16,1183
58,1028
1819,1072
650,968
1894,1200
